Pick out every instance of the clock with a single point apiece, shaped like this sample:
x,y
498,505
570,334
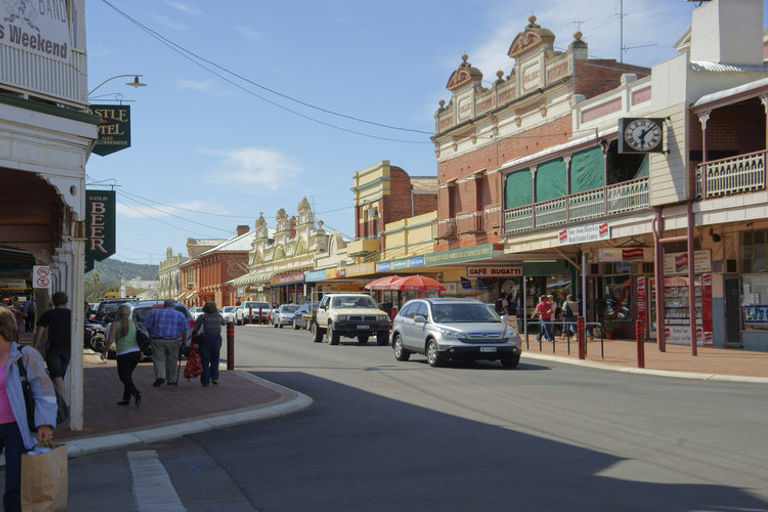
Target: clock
x,y
641,135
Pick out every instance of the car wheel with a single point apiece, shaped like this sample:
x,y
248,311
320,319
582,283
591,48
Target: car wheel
x,y
400,353
434,357
362,339
333,336
317,333
382,338
510,361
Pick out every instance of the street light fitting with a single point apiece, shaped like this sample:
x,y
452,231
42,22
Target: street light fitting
x,y
136,82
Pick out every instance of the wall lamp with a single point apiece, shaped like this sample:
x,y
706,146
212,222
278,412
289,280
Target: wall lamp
x,y
136,82
715,237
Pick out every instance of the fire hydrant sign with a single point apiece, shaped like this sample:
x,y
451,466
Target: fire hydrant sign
x,y
41,276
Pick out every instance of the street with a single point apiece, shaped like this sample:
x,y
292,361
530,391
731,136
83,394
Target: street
x,y
386,435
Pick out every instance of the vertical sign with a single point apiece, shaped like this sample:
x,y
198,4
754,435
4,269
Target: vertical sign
x,y
641,298
41,276
99,226
114,128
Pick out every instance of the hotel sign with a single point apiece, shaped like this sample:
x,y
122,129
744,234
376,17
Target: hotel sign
x,y
99,226
114,128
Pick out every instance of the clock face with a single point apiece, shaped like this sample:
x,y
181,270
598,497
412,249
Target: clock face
x,y
643,134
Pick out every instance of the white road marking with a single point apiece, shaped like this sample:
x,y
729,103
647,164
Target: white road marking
x,y
152,486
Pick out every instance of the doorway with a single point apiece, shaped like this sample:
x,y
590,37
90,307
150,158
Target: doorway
x,y
732,310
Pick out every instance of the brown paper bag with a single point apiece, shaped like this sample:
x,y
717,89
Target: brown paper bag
x,y
44,480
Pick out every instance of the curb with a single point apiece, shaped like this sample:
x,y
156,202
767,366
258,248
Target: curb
x,y
87,446
643,371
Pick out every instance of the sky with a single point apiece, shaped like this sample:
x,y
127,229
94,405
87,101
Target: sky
x,y
250,106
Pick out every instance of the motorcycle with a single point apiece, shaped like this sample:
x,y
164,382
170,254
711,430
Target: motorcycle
x,y
95,337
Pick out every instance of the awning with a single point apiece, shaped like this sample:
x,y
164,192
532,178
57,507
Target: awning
x,y
254,277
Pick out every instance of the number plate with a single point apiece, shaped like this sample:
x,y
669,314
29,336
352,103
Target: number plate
x,y
363,326
487,349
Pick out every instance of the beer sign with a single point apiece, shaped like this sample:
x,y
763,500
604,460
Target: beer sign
x,y
99,226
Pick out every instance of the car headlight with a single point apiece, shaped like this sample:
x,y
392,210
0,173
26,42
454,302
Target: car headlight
x,y
383,318
342,318
451,333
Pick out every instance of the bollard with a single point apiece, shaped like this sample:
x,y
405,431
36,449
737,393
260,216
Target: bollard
x,y
580,332
261,318
250,315
230,346
640,335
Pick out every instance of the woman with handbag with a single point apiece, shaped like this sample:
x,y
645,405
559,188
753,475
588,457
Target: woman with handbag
x,y
208,336
16,436
123,330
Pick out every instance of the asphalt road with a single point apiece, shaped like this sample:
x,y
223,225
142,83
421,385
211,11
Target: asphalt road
x,y
389,435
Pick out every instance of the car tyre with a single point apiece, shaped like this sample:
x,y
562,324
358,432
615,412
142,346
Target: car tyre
x,y
510,361
317,332
400,353
434,357
382,338
333,336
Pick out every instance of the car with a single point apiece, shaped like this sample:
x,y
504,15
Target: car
x,y
351,315
446,329
248,312
228,312
195,312
141,309
302,317
108,306
283,315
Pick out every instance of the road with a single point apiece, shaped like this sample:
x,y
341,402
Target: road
x,y
388,435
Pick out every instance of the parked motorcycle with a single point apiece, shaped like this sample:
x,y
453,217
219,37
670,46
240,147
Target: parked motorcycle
x,y
95,337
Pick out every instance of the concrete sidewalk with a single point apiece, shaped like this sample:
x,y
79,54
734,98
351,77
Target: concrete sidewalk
x,y
167,412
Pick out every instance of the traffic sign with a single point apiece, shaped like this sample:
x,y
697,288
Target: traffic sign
x,y
41,276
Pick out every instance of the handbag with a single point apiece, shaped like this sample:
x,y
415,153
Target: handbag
x,y
44,478
194,366
143,340
199,335
62,409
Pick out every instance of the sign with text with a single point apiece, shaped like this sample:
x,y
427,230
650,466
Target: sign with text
x,y
677,263
494,271
99,226
114,128
584,234
36,27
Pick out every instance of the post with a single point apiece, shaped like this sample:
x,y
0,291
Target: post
x,y
230,346
640,336
250,314
581,334
261,318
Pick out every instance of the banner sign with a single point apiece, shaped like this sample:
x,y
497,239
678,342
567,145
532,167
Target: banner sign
x,y
584,234
677,263
494,271
114,128
99,226
36,27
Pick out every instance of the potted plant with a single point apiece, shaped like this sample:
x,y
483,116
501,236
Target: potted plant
x,y
609,326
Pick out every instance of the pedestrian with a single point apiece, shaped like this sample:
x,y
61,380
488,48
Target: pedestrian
x,y
20,314
502,304
544,312
210,349
123,331
570,309
168,329
549,325
29,307
16,436
58,348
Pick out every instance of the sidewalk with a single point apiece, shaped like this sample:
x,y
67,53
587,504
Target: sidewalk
x,y
167,412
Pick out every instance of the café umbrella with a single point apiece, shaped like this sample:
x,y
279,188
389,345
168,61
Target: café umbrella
x,y
382,283
418,283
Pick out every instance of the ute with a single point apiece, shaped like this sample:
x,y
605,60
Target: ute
x,y
350,315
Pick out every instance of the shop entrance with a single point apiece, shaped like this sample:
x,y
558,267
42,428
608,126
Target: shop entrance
x,y
732,309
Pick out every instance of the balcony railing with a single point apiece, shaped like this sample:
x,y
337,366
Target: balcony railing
x,y
623,197
470,223
444,229
736,175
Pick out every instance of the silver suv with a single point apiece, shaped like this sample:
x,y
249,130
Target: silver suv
x,y
454,329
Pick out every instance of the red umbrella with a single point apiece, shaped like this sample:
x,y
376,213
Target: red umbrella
x,y
419,283
382,283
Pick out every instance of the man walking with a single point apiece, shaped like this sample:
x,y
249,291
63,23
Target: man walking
x,y
168,329
58,349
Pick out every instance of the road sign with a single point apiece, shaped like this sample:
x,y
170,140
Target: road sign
x,y
41,276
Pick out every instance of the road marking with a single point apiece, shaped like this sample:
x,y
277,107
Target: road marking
x,y
152,486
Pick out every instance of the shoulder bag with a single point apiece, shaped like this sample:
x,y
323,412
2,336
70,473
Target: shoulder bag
x,y
199,335
143,339
62,409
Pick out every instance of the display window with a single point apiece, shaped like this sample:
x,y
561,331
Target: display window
x,y
617,291
754,283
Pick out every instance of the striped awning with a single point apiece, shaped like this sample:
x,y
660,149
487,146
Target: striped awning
x,y
252,278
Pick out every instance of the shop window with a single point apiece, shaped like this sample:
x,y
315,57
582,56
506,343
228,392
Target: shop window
x,y
754,251
754,295
625,166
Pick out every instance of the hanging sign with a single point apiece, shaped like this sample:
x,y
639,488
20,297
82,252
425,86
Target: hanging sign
x,y
114,128
584,234
99,226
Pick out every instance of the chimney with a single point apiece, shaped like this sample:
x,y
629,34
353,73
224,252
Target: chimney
x,y
728,32
242,229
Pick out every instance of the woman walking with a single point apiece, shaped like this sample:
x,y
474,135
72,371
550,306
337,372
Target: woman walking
x,y
16,436
210,349
123,331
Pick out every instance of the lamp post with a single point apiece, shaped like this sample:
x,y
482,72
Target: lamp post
x,y
136,82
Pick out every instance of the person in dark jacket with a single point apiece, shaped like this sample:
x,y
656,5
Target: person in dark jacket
x,y
209,323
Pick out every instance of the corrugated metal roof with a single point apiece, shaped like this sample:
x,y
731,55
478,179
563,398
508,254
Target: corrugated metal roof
x,y
718,67
733,91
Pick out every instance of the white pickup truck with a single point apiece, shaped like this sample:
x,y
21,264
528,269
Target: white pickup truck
x,y
351,315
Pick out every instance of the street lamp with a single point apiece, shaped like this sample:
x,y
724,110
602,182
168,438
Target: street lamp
x,y
136,82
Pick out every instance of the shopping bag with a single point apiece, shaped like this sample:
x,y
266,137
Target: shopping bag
x,y
44,479
194,367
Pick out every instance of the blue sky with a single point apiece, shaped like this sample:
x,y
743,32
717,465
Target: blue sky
x,y
212,148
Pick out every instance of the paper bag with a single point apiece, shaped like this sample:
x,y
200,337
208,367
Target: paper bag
x,y
44,480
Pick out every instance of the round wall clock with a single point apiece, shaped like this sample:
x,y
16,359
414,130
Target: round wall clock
x,y
642,135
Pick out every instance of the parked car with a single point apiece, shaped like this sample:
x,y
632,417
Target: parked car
x,y
252,308
351,315
454,329
228,312
283,315
302,317
109,307
195,312
141,309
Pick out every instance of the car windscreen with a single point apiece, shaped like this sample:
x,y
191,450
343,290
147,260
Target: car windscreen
x,y
289,309
463,313
353,302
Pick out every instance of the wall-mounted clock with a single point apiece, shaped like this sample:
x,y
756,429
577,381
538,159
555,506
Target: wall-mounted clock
x,y
641,135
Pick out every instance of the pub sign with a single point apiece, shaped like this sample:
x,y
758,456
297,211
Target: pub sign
x,y
114,128
99,226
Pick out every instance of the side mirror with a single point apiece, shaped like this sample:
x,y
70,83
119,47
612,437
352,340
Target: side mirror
x,y
420,319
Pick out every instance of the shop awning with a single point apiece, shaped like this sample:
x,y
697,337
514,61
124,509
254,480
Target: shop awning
x,y
252,278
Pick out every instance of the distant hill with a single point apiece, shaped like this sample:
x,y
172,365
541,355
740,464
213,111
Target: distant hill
x,y
110,271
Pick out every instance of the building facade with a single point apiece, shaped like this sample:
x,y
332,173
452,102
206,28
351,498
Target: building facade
x,y
169,275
